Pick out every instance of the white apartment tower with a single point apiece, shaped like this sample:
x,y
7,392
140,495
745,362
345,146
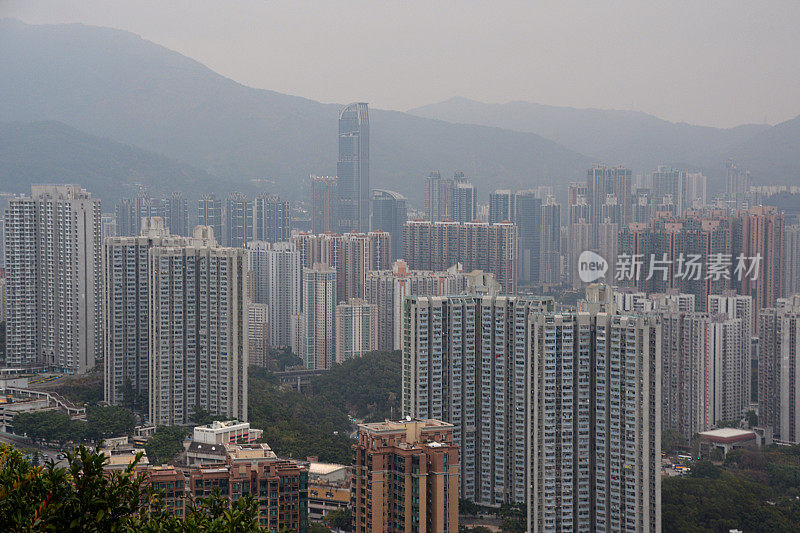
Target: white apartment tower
x,y
277,283
54,279
198,330
127,309
356,329
317,325
464,361
594,446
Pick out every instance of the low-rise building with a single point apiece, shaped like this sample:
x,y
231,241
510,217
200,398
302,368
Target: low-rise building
x,y
725,440
226,432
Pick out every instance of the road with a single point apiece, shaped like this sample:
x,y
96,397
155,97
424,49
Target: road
x,y
21,444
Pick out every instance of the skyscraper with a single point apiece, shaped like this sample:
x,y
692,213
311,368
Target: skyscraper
x,y
600,183
198,330
791,260
258,334
550,247
176,214
131,211
54,279
323,204
438,197
578,236
356,329
317,324
353,168
758,232
390,213
277,278
127,303
237,220
272,219
737,180
464,203
476,245
501,206
594,447
209,213
779,369
528,217
464,362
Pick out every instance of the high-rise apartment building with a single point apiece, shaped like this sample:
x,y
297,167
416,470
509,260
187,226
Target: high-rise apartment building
x,y
550,247
317,324
528,217
258,334
209,213
389,214
791,260
353,169
600,183
438,197
272,219
594,447
464,203
130,212
758,232
476,245
54,279
198,330
737,180
352,255
388,289
464,361
501,206
405,477
324,207
176,214
356,329
127,309
237,220
277,280
779,369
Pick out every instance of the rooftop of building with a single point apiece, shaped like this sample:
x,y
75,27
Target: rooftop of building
x,y
400,425
728,434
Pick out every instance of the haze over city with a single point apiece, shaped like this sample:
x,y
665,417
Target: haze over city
x,y
716,63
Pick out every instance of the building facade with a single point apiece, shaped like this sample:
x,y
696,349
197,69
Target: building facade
x,y
317,324
54,279
272,219
356,329
237,223
389,214
352,170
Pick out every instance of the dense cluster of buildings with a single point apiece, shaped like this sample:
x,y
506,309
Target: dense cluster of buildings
x,y
508,396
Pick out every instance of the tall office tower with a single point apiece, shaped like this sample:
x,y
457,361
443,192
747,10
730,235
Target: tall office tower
x,y
791,260
272,219
389,214
737,180
277,279
595,438
176,214
405,477
550,251
694,186
209,213
689,243
528,216
356,329
198,330
758,232
464,362
258,334
476,245
642,206
353,168
317,334
323,203
54,279
779,368
502,206
127,304
602,181
464,207
352,255
388,289
237,220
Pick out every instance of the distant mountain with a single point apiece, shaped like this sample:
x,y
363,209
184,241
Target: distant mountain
x,y
52,152
114,84
629,137
773,155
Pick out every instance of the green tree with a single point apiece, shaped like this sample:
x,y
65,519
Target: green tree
x,y
671,441
341,519
166,443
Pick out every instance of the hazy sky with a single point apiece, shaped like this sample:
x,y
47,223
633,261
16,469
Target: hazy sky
x,y
715,62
